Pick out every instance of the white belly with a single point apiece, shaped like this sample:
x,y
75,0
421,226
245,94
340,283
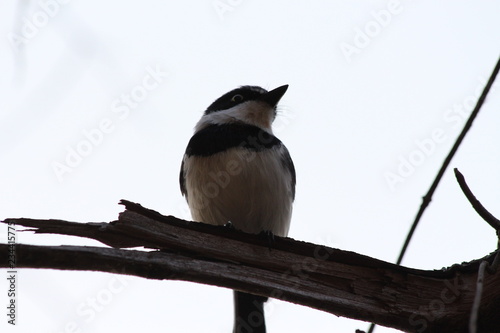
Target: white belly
x,y
253,190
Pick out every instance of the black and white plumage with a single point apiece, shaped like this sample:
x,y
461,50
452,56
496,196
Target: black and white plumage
x,y
234,169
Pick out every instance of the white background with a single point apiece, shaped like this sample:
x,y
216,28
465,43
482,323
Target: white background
x,y
370,82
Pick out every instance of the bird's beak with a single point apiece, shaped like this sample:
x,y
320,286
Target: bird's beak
x,y
273,97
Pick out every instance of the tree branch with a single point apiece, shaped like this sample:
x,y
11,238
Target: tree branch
x,y
339,282
476,204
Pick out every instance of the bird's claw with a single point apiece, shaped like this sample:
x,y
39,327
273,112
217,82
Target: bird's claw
x,y
269,237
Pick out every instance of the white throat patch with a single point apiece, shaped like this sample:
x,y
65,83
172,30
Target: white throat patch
x,y
255,113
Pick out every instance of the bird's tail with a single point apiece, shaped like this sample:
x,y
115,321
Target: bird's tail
x,y
249,313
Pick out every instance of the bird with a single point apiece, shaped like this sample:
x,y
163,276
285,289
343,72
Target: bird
x,y
236,172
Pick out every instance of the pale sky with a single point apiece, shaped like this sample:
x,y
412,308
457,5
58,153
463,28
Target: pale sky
x,y
99,100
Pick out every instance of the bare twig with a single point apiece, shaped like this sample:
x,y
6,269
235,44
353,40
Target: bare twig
x,y
483,212
477,298
428,197
478,207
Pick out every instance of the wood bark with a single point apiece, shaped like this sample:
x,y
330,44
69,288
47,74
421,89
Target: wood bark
x,y
339,282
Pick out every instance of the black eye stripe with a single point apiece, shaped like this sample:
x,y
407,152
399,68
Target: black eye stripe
x,y
230,99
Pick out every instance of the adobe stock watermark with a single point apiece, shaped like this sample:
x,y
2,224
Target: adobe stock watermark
x,y
31,26
453,117
407,164
222,7
296,275
302,270
436,307
363,36
12,277
88,310
220,179
120,110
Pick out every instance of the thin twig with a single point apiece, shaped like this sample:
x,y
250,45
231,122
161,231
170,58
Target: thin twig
x,y
428,197
478,207
477,298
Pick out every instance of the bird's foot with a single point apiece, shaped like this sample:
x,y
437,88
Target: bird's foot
x,y
269,236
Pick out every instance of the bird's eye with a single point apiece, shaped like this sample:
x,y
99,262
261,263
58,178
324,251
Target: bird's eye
x,y
237,98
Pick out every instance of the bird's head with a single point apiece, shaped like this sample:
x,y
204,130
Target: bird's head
x,y
250,105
